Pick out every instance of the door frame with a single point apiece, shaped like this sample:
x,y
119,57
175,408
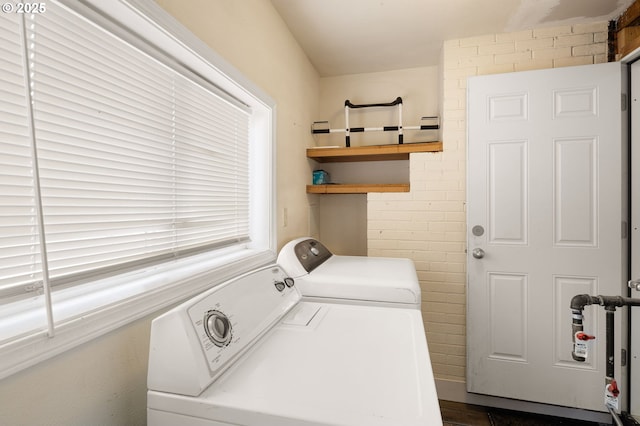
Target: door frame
x,y
633,332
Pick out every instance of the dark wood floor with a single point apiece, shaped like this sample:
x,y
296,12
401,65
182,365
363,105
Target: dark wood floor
x,y
458,414
455,414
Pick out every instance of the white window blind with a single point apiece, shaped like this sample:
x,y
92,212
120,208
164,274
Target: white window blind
x,y
19,240
138,159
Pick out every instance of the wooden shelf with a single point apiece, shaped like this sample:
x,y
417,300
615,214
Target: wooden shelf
x,y
627,38
366,153
357,188
371,153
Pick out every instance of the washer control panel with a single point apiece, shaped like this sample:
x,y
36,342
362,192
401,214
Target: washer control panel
x,y
311,254
228,318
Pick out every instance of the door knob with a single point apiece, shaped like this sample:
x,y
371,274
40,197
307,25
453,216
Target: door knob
x,y
635,284
478,253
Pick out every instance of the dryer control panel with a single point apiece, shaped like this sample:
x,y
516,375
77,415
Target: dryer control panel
x,y
311,254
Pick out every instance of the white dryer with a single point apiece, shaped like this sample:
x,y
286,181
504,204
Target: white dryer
x,y
324,276
251,352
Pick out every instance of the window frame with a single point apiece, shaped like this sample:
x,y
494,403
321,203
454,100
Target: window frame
x,y
138,294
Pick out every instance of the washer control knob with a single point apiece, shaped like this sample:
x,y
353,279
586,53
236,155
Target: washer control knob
x,y
279,285
218,328
314,251
289,282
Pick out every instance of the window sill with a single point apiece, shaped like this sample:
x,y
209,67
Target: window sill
x,y
87,311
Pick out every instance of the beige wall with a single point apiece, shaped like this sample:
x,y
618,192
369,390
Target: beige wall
x,y
103,382
431,228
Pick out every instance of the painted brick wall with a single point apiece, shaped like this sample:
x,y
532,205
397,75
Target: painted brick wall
x,y
428,224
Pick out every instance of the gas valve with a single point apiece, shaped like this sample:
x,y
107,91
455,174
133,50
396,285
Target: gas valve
x,y
580,346
611,395
584,336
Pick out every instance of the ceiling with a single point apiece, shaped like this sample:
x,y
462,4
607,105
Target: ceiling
x,y
361,36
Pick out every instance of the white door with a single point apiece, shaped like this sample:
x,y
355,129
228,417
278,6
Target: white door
x,y
546,203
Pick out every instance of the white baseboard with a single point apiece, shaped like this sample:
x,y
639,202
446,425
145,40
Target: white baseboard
x,y
449,390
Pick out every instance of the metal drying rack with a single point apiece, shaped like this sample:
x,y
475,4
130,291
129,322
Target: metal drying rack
x,y
427,123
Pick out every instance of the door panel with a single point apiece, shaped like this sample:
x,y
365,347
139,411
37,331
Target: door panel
x,y
508,185
565,288
545,204
508,326
575,192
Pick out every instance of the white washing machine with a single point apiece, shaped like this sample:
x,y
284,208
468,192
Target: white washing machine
x,y
252,352
323,276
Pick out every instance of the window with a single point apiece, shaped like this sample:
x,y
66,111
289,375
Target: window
x,y
126,171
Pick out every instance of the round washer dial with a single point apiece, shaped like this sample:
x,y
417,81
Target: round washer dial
x,y
218,328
